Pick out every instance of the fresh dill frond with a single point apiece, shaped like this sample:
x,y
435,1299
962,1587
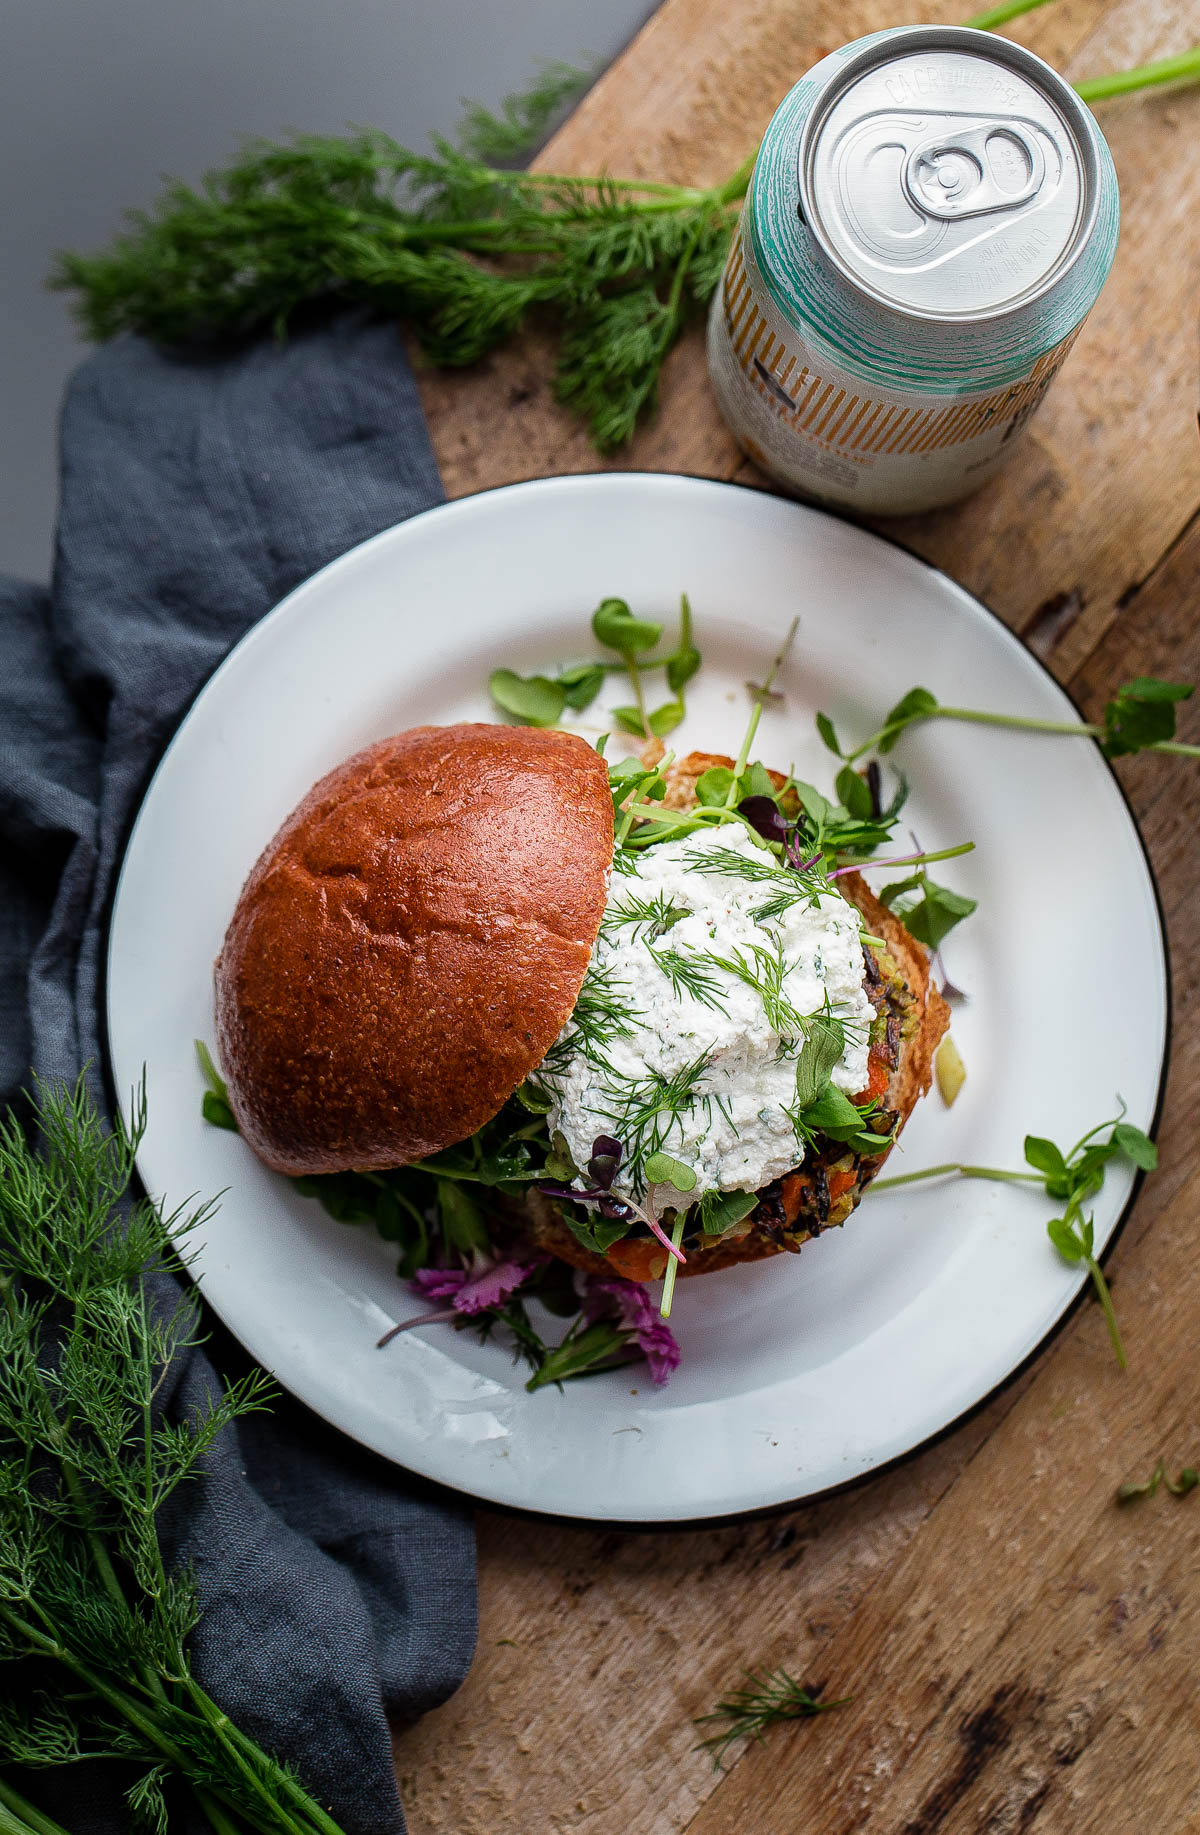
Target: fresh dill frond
x,y
510,136
689,973
787,885
765,968
645,1113
451,241
86,1465
782,901
602,1013
771,1696
658,914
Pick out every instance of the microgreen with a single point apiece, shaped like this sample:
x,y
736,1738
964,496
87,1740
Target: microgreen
x,y
1070,1179
1139,718
720,1210
615,626
581,683
928,911
820,1055
833,1116
661,1169
771,1696
712,786
1188,1479
214,1105
534,700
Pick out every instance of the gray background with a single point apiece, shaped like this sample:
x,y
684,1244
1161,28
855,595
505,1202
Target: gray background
x,y
100,98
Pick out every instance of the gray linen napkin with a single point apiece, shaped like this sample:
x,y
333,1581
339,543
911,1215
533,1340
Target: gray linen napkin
x,y
197,489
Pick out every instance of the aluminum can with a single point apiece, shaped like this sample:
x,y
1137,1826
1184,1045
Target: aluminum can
x,y
931,216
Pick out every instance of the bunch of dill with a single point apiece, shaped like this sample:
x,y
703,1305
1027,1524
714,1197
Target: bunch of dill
x,y
94,1629
460,247
455,242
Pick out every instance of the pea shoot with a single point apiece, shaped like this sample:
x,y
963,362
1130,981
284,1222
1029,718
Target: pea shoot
x,y
1070,1179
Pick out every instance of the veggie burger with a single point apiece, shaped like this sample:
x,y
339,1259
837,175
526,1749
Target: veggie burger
x,y
694,1037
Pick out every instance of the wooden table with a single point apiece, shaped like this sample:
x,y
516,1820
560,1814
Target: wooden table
x,y
1022,1654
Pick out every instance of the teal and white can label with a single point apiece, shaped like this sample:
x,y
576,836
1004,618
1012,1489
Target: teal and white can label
x,y
930,219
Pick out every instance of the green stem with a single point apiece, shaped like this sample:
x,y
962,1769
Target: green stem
x,y
20,1817
1175,746
952,1166
233,1736
668,1292
1180,69
277,1822
630,664
1078,729
1000,15
731,795
1105,1299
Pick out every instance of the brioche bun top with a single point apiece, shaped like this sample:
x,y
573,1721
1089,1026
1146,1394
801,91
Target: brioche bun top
x,y
411,944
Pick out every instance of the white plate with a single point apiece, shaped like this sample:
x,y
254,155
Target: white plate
x,y
798,1373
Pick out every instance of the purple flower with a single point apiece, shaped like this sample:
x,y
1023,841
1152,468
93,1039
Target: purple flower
x,y
627,1301
475,1289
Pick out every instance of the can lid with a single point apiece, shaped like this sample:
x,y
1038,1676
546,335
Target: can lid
x,y
949,174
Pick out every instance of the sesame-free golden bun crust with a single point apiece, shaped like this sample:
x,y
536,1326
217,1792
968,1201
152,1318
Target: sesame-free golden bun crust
x,y
411,944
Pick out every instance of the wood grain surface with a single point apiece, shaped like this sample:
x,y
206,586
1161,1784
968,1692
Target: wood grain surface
x,y
1023,1655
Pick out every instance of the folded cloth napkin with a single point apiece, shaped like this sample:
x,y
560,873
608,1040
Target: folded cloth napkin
x,y
196,491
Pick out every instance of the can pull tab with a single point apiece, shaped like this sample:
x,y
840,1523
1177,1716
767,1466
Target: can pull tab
x,y
957,174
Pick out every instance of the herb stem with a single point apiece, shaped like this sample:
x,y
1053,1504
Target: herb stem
x,y
1182,68
906,860
19,1817
668,1292
952,1167
1000,15
1105,1299
731,795
630,662
239,1746
1078,728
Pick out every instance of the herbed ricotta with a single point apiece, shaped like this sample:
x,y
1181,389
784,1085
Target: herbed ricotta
x,y
672,1050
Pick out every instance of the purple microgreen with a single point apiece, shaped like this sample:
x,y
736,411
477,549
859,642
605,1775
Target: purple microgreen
x,y
605,1160
446,1316
763,815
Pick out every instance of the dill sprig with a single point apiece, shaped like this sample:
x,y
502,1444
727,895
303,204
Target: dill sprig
x,y
771,1696
454,241
86,1463
461,248
602,1013
691,973
765,968
658,914
646,1112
